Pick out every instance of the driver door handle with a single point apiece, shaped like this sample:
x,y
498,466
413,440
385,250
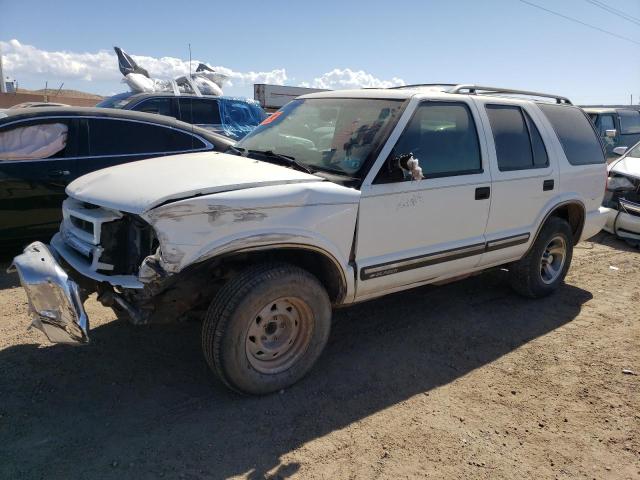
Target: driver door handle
x,y
59,173
482,193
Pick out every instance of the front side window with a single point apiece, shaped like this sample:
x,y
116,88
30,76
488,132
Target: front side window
x,y
328,134
577,136
199,111
444,139
160,106
519,145
629,121
34,141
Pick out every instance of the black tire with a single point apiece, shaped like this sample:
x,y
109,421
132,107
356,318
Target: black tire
x,y
232,313
526,275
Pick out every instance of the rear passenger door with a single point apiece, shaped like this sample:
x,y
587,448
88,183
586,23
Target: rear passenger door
x,y
412,231
37,162
524,177
113,141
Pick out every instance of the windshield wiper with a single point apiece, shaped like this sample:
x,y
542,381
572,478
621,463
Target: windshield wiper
x,y
285,160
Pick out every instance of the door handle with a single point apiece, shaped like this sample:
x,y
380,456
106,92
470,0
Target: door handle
x,y
547,185
482,193
59,173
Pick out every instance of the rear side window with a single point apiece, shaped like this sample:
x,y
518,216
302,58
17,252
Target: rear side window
x,y
629,121
122,137
519,145
199,111
576,134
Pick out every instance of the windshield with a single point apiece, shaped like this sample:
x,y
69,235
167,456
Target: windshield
x,y
116,101
635,151
330,134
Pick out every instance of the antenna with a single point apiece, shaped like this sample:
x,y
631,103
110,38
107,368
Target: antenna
x,y
191,99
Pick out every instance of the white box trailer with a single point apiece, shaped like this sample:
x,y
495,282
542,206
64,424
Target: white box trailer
x,y
272,97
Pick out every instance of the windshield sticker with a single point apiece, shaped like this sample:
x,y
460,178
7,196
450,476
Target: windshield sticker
x,y
271,118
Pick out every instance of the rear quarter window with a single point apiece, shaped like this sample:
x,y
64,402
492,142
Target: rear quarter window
x,y
576,133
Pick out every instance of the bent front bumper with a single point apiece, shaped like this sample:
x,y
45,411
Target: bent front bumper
x,y
54,299
624,222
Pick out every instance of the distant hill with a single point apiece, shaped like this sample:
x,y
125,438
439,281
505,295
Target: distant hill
x,y
63,93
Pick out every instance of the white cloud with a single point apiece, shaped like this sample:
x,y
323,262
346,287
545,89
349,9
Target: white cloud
x,y
20,59
102,66
347,78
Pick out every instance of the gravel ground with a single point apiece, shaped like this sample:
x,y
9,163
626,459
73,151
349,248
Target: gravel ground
x,y
466,380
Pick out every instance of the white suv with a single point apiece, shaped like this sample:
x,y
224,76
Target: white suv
x,y
337,198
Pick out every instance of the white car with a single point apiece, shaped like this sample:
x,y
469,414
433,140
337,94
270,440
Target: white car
x,y
337,198
623,195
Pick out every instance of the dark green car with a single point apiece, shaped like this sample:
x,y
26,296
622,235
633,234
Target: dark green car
x,y
43,149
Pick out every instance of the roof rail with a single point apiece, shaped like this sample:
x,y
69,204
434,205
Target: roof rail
x,y
424,85
477,89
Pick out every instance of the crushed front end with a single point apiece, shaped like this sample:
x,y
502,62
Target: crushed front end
x,y
623,199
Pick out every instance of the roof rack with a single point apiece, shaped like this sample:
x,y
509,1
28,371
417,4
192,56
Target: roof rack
x,y
480,90
424,85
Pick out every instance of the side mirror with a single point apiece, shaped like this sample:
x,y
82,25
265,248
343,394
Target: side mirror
x,y
408,163
620,150
610,133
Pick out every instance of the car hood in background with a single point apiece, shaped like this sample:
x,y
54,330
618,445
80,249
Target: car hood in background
x,y
627,166
140,186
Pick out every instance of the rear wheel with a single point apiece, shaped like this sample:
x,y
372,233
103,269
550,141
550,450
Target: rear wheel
x,y
266,328
543,269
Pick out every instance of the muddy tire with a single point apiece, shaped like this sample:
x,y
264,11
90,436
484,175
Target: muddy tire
x,y
542,270
266,328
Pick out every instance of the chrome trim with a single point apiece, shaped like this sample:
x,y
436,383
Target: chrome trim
x,y
398,266
55,304
628,205
508,241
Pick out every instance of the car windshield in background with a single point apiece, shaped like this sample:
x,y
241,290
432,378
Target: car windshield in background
x,y
116,101
634,152
329,134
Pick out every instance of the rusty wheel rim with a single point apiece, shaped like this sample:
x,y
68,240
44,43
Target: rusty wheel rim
x,y
278,335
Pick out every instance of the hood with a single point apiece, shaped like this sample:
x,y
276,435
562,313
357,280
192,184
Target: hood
x,y
139,186
627,166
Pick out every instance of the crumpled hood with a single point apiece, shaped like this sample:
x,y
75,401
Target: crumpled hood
x,y
627,166
139,186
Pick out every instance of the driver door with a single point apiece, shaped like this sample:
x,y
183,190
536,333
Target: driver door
x,y
413,231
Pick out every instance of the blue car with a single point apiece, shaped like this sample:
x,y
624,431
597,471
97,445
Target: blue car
x,y
229,116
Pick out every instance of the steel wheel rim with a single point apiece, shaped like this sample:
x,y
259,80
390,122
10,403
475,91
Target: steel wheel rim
x,y
553,258
278,335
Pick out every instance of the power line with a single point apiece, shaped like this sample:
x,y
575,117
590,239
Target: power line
x,y
575,20
614,11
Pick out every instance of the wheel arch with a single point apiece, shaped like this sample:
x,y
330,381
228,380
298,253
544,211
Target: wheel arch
x,y
317,261
573,211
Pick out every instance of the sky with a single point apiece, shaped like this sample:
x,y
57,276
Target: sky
x,y
331,44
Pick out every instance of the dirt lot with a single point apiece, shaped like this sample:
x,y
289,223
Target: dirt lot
x,y
462,381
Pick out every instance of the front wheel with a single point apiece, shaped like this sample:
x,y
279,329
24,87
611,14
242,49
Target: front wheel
x,y
266,328
542,270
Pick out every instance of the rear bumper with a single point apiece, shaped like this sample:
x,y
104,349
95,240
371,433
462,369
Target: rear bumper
x,y
55,304
594,222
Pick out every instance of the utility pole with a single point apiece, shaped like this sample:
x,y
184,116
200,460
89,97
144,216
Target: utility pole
x,y
3,82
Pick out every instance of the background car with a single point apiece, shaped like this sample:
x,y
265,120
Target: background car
x,y
229,116
618,127
43,149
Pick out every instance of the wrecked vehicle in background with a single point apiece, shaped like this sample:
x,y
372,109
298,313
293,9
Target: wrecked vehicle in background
x,y
337,198
623,196
196,98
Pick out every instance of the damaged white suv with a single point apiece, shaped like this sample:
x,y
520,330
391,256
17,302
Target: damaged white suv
x,y
337,198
